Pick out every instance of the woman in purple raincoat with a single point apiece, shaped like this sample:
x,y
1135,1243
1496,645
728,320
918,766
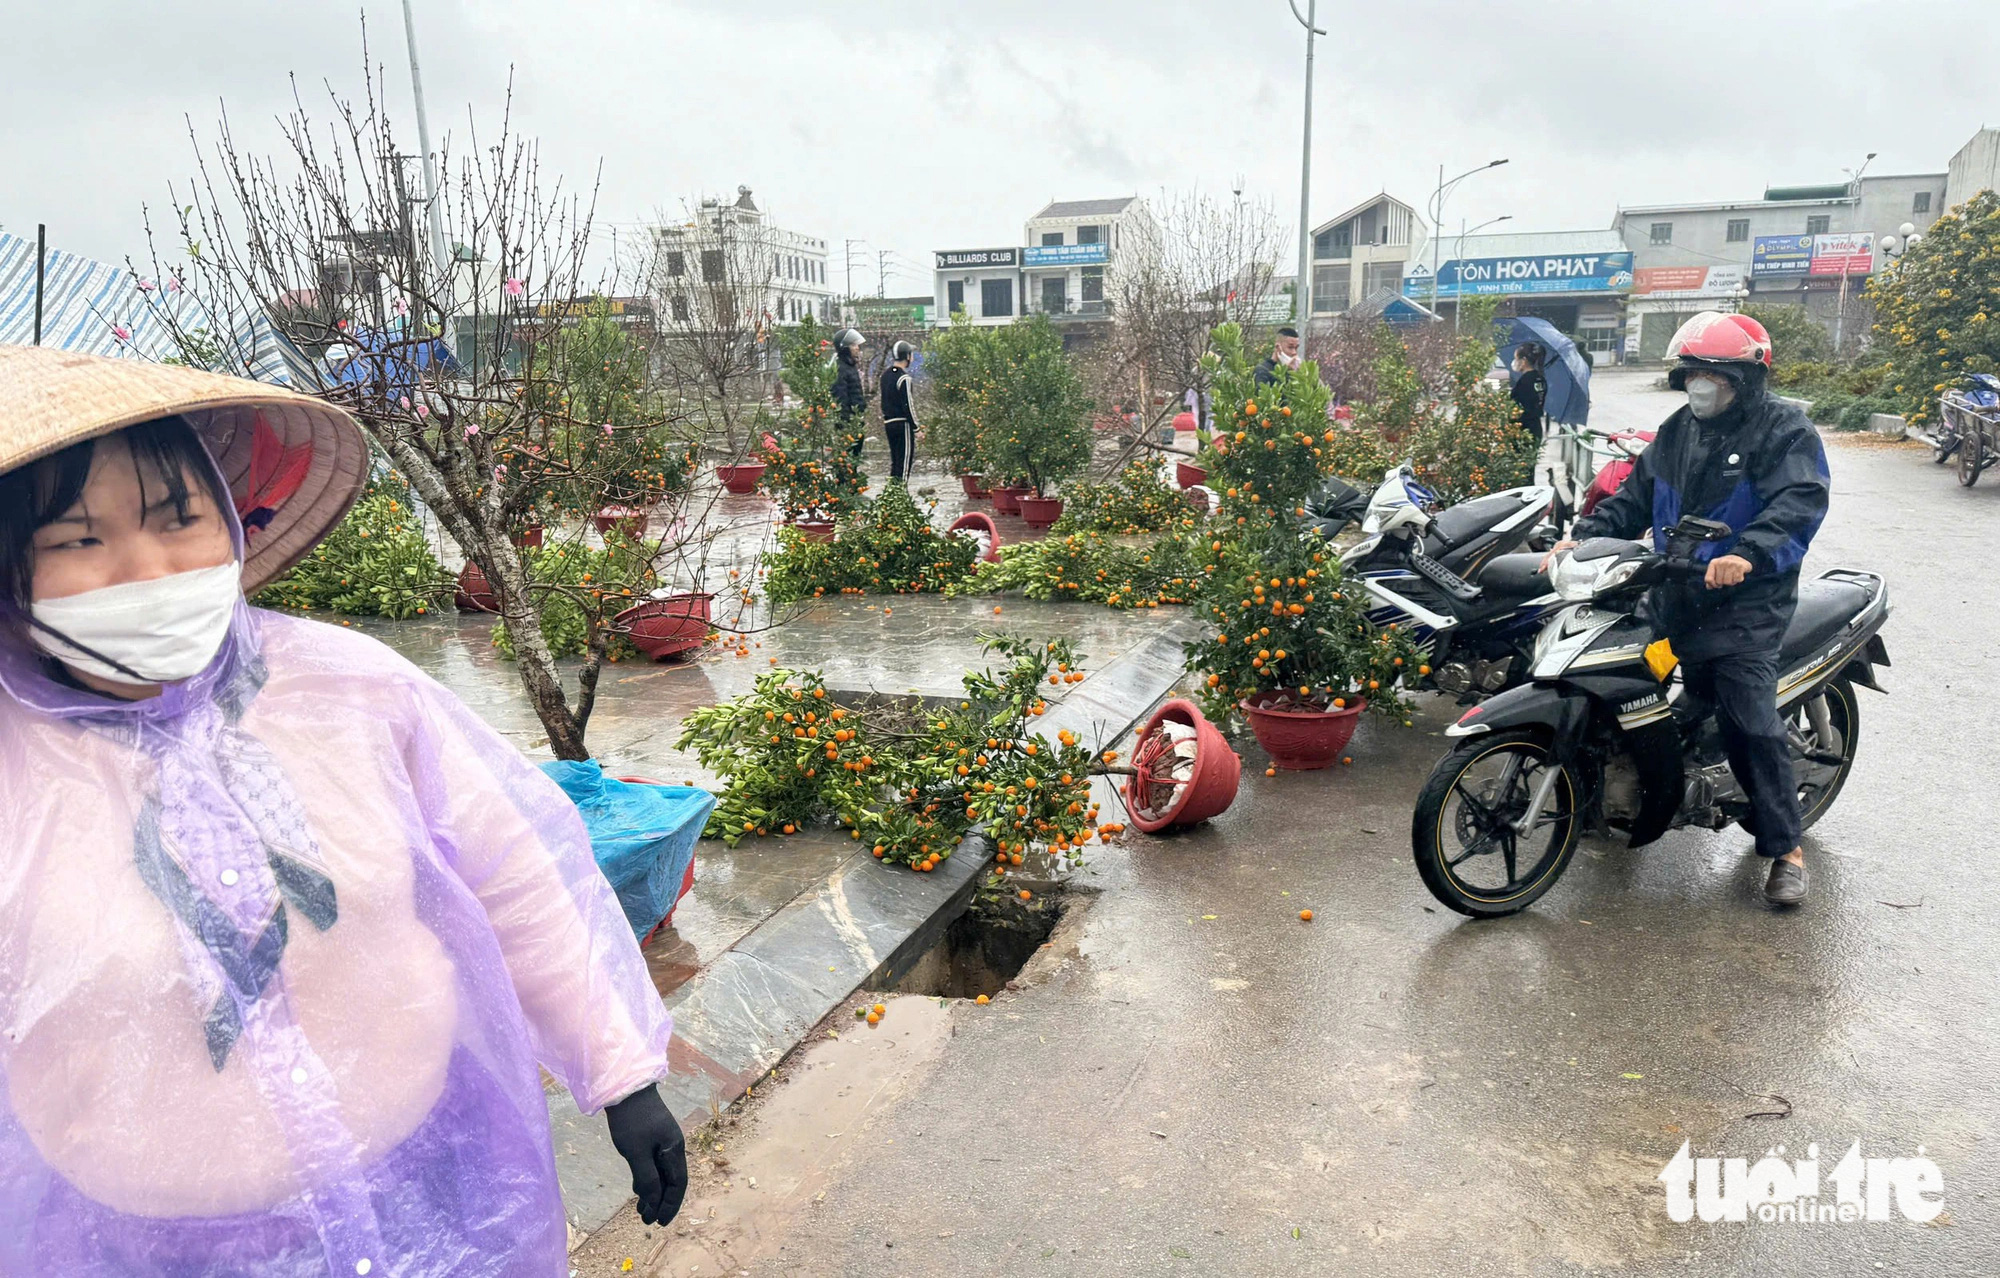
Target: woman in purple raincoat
x,y
285,930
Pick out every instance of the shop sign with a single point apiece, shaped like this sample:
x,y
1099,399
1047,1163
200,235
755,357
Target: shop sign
x,y
1066,255
1846,253
970,259
1687,281
1554,273
1781,255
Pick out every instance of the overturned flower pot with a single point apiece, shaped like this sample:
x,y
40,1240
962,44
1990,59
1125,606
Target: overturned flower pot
x,y
667,627
1301,739
1189,476
1183,771
979,526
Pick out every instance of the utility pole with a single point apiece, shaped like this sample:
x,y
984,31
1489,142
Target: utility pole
x,y
439,260
849,246
882,273
41,263
1302,291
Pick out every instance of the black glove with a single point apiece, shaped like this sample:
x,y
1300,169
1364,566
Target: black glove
x,y
647,1136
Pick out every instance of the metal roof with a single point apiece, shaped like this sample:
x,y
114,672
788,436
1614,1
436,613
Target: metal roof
x,y
1377,198
1085,208
1527,244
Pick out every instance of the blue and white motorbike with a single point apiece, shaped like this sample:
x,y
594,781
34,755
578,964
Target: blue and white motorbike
x,y
1465,579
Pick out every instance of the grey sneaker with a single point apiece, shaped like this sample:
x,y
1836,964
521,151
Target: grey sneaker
x,y
1787,884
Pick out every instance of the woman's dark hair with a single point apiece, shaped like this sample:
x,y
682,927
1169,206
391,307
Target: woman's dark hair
x,y
34,495
1531,352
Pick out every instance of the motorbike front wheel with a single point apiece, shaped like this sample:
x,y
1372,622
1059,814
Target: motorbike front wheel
x,y
1466,834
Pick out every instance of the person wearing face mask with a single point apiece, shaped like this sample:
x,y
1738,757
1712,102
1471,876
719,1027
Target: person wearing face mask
x,y
1530,389
1284,355
1735,454
287,934
850,392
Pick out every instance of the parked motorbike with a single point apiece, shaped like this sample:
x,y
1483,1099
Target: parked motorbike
x,y
1968,426
1628,444
1449,576
1605,739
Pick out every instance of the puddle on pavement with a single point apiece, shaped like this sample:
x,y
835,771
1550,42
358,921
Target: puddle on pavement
x,y
987,946
770,1158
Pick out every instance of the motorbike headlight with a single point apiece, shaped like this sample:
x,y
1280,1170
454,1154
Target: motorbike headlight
x,y
1579,581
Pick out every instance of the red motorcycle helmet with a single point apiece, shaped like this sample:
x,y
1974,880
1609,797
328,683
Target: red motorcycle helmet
x,y
1712,337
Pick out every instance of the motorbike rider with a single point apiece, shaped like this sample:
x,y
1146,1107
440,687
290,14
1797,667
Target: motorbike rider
x,y
1738,455
899,415
850,396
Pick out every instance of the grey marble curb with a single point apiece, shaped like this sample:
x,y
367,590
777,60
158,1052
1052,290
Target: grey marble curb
x,y
863,925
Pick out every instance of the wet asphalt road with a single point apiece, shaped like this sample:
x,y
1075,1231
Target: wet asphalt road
x,y
1214,1087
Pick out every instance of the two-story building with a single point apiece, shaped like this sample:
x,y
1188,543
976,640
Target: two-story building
x,y
1364,251
1811,246
1066,267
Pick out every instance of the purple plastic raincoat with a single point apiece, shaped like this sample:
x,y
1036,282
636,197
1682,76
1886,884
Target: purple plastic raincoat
x,y
280,951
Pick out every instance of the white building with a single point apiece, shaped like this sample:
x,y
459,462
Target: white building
x,y
978,286
735,242
1365,251
1074,247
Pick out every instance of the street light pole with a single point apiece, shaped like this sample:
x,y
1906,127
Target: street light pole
x,y
430,161
1437,223
1302,291
1458,249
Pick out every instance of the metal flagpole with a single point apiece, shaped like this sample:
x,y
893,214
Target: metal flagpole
x,y
41,258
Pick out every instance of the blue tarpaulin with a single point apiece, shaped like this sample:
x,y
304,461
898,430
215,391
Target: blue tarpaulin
x,y
643,836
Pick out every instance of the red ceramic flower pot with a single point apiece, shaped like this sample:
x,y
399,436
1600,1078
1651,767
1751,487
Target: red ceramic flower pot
x,y
667,627
1188,475
631,522
1161,799
741,480
475,593
815,529
529,537
1302,740
1008,500
980,523
1040,512
972,485
687,879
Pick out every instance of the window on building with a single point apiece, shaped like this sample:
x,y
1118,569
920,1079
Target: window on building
x,y
1818,223
711,265
996,298
1381,275
1739,230
1093,284
1055,294
677,265
1051,238
954,297
1663,233
1090,235
1330,289
681,307
1921,202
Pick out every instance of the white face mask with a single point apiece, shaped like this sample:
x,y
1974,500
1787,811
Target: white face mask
x,y
160,630
1708,396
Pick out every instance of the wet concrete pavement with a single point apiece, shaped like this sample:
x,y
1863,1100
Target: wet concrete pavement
x,y
1214,1087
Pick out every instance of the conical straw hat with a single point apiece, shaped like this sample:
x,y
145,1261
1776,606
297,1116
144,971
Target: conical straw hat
x,y
265,439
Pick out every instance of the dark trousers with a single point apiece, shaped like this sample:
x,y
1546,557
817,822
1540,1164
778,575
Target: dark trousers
x,y
902,445
1744,691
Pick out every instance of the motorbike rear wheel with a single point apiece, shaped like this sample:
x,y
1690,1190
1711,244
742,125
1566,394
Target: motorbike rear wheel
x,y
1971,457
1820,782
1468,812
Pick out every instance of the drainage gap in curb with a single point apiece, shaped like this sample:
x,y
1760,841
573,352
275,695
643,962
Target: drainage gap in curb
x,y
987,946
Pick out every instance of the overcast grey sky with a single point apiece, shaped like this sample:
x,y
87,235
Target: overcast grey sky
x,y
919,126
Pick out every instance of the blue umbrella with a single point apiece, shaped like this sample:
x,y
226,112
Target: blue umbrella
x,y
1568,376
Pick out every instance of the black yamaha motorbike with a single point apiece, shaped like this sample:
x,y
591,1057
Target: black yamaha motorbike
x,y
1605,739
1451,577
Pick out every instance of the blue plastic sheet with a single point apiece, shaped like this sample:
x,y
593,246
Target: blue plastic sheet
x,y
643,836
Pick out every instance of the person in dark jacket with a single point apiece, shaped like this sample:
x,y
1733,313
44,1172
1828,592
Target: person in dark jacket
x,y
1284,353
899,415
1737,455
850,394
1531,387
